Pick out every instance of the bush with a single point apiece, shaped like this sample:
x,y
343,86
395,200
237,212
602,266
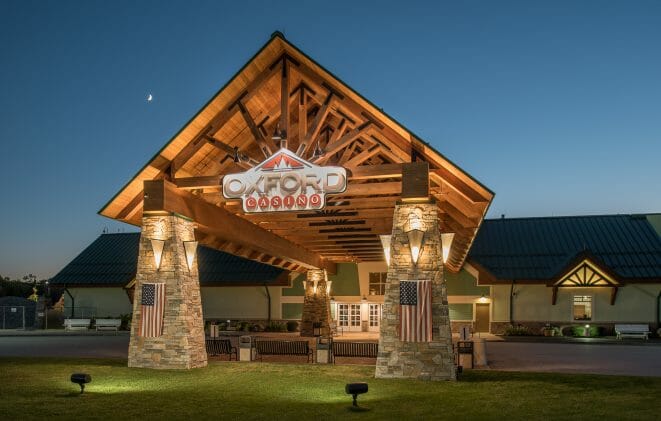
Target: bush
x,y
276,327
292,326
582,331
517,331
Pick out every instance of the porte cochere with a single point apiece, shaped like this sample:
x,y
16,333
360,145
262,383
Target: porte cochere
x,y
288,166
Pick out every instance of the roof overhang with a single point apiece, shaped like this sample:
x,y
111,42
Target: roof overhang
x,y
327,123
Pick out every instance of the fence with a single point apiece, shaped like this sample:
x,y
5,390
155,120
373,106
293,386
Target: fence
x,y
13,317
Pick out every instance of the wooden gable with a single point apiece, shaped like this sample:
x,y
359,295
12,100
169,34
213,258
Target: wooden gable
x,y
281,97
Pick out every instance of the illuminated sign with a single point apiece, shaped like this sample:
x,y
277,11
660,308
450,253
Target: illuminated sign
x,y
284,182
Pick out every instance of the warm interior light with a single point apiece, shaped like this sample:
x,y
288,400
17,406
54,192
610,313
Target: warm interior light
x,y
446,242
157,248
190,248
385,242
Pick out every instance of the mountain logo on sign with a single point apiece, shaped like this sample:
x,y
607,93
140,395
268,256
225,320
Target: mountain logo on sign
x,y
282,161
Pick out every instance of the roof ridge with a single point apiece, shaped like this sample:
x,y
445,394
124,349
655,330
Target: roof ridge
x,y
640,215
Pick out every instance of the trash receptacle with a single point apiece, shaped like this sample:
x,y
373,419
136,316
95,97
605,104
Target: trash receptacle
x,y
323,350
245,348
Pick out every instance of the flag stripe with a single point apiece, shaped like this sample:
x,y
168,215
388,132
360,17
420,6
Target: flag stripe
x,y
153,306
415,311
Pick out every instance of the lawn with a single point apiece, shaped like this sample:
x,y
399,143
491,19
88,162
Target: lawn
x,y
40,388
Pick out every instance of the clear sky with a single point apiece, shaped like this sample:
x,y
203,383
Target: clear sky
x,y
554,105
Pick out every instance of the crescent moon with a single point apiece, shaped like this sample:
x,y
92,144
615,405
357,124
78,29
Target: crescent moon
x,y
149,98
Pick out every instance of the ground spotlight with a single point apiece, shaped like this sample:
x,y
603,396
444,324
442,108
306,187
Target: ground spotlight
x,y
80,379
355,389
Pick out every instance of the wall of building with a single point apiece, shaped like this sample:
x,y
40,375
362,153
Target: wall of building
x,y
240,303
103,302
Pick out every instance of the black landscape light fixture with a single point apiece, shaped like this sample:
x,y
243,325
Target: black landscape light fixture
x,y
355,389
81,379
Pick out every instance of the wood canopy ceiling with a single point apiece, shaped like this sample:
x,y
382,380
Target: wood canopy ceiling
x,y
324,121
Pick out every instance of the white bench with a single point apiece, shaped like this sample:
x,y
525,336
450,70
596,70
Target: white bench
x,y
108,324
76,324
633,331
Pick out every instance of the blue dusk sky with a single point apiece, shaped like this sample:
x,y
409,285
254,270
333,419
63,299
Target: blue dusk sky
x,y
554,105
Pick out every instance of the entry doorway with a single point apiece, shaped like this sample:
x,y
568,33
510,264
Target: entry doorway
x,y
482,318
348,317
374,317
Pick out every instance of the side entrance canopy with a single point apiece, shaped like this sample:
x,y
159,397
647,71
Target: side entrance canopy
x,y
283,98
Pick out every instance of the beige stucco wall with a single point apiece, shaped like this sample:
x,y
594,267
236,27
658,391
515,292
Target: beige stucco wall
x,y
634,303
108,301
500,303
240,302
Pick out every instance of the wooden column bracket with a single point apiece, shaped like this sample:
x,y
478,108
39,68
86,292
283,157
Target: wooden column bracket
x,y
415,181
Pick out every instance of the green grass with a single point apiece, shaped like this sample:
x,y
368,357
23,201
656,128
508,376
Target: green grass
x,y
40,388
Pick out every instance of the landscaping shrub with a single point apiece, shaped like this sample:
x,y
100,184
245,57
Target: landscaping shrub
x,y
580,331
292,326
517,331
276,327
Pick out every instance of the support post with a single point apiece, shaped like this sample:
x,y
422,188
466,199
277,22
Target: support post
x,y
432,359
316,304
181,344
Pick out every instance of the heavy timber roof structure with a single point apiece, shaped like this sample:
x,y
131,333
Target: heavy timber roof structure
x,y
327,123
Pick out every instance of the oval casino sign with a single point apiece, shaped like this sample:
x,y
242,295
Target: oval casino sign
x,y
284,182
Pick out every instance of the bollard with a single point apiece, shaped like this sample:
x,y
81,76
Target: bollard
x,y
480,352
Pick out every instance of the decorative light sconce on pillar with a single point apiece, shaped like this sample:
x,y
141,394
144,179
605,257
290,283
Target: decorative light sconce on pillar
x,y
416,236
157,248
328,287
314,287
190,248
446,242
385,242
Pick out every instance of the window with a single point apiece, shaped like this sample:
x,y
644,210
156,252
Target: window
x,y
378,283
582,307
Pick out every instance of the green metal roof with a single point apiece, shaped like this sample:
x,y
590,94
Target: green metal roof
x,y
538,248
112,260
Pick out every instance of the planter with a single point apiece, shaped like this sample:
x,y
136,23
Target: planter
x,y
548,332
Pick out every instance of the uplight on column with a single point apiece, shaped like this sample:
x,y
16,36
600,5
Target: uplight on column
x,y
157,248
385,242
446,242
328,287
190,249
416,235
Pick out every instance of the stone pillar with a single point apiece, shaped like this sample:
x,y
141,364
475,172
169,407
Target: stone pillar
x,y
432,360
181,346
316,304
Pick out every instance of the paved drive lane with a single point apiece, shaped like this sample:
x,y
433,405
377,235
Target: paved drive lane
x,y
115,346
635,360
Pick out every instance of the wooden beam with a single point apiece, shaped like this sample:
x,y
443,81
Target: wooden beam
x,y
305,146
161,195
302,114
244,160
415,181
369,172
256,133
284,103
363,156
198,182
342,142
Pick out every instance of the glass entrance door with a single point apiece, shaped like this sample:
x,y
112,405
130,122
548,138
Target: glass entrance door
x,y
375,317
348,317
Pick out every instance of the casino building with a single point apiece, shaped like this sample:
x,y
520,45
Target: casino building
x,y
289,196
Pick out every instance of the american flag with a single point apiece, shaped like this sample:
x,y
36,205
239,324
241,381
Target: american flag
x,y
415,311
153,304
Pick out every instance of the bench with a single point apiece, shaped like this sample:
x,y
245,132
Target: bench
x,y
107,324
76,324
221,347
632,330
354,349
278,347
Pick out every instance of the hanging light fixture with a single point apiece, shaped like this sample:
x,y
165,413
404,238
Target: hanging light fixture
x,y
446,242
416,235
190,248
157,248
385,242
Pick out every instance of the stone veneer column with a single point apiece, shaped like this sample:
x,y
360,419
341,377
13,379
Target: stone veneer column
x,y
182,344
420,360
316,304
